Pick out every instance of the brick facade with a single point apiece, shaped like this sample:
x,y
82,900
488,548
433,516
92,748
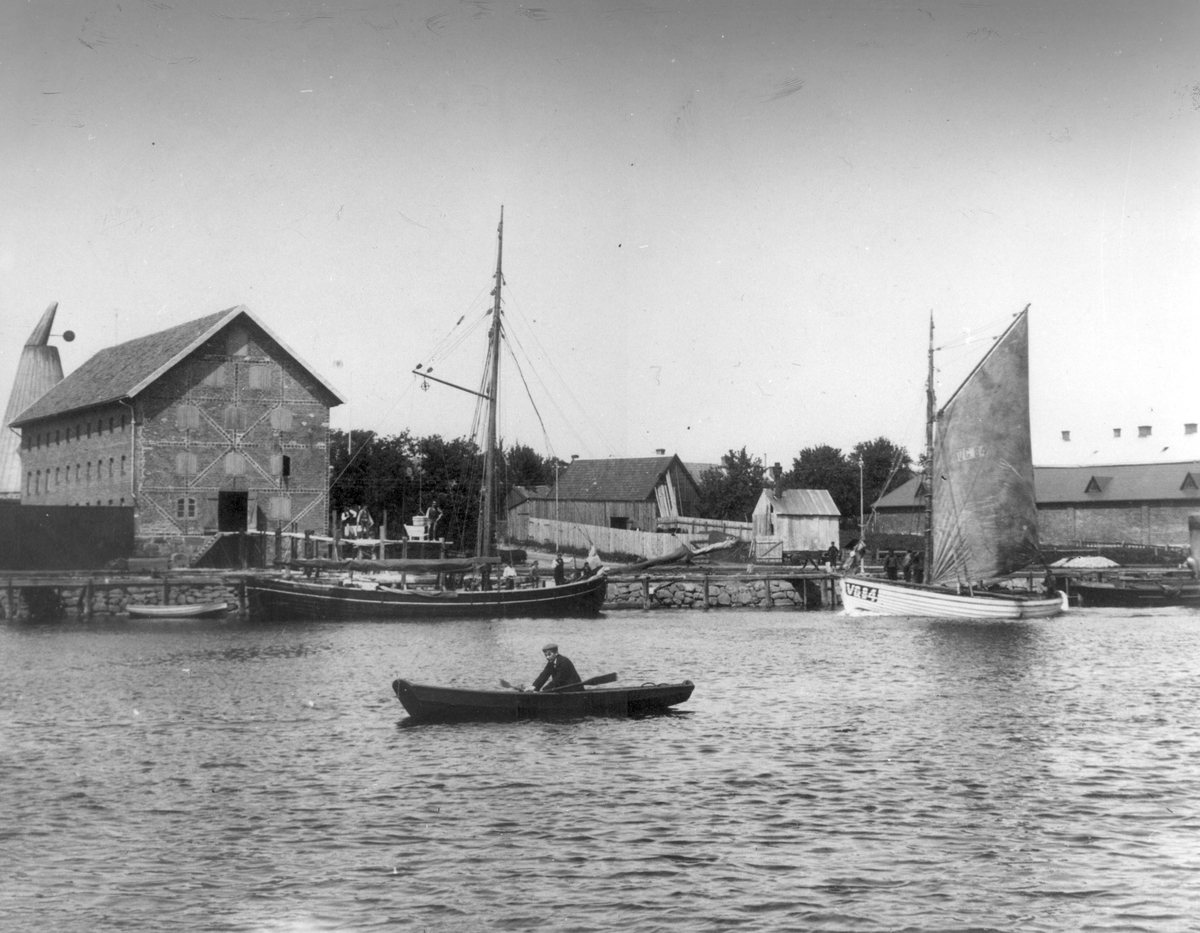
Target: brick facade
x,y
233,436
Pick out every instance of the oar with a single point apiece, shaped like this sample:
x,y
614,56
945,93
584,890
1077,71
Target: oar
x,y
507,686
590,682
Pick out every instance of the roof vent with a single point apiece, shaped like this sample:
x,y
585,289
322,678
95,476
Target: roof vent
x,y
1116,432
1144,430
1066,435
1189,428
660,451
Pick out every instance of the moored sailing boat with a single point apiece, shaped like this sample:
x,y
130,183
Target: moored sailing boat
x,y
983,513
304,594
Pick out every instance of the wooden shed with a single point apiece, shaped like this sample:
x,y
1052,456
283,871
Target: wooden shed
x,y
794,520
635,494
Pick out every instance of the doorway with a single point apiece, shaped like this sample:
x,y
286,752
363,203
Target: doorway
x,y
232,510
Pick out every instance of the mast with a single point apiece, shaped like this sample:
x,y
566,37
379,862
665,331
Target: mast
x,y
929,416
483,541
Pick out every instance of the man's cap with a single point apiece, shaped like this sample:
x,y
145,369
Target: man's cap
x,y
550,647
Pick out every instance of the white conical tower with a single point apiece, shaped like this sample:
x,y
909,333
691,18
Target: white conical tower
x,y
39,370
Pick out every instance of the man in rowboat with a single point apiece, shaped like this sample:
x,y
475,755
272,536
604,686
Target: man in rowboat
x,y
559,671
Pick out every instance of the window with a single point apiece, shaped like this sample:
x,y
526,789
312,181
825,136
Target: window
x,y
1189,428
1144,430
1116,432
281,465
122,430
185,507
111,421
56,437
281,419
234,418
216,378
1066,435
235,463
57,476
37,482
77,472
187,418
122,464
185,463
89,471
260,376
237,341
110,470
280,508
29,483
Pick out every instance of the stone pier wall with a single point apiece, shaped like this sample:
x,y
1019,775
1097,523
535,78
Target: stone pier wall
x,y
750,592
104,600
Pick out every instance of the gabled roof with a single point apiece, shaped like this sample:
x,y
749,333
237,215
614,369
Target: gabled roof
x,y
1126,482
699,469
800,502
519,494
630,480
125,370
1133,482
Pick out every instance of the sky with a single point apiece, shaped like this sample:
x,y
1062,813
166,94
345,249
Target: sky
x,y
726,225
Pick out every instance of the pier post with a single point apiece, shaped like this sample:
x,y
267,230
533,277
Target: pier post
x,y
767,584
706,607
645,592
278,543
166,591
87,599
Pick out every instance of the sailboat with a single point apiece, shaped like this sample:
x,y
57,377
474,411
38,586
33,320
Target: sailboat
x,y
982,513
381,588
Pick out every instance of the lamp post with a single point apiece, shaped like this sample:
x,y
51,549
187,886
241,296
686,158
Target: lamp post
x,y
861,511
557,527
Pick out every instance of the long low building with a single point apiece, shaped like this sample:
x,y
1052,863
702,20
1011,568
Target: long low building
x,y
1146,504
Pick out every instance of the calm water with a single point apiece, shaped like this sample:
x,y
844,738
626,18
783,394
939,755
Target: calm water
x,y
828,774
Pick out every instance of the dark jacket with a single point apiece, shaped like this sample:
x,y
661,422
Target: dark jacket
x,y
559,671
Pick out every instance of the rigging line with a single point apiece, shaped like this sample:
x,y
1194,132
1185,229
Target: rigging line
x,y
567,420
472,304
529,395
566,389
446,348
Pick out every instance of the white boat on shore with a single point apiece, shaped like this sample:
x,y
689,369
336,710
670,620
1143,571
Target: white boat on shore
x,y
184,611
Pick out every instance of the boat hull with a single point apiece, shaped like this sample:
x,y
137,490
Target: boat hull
x,y
197,611
426,703
298,598
1136,595
869,595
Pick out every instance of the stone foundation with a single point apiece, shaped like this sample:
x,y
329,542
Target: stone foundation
x,y
743,592
111,598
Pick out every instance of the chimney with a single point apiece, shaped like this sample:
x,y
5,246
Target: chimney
x,y
777,476
661,451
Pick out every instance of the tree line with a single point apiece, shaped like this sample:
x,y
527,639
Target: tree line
x,y
402,475
730,491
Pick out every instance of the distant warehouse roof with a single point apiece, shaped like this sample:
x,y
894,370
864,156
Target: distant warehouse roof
x,y
1127,482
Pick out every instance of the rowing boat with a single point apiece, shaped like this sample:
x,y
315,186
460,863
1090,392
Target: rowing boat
x,y
187,611
427,703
